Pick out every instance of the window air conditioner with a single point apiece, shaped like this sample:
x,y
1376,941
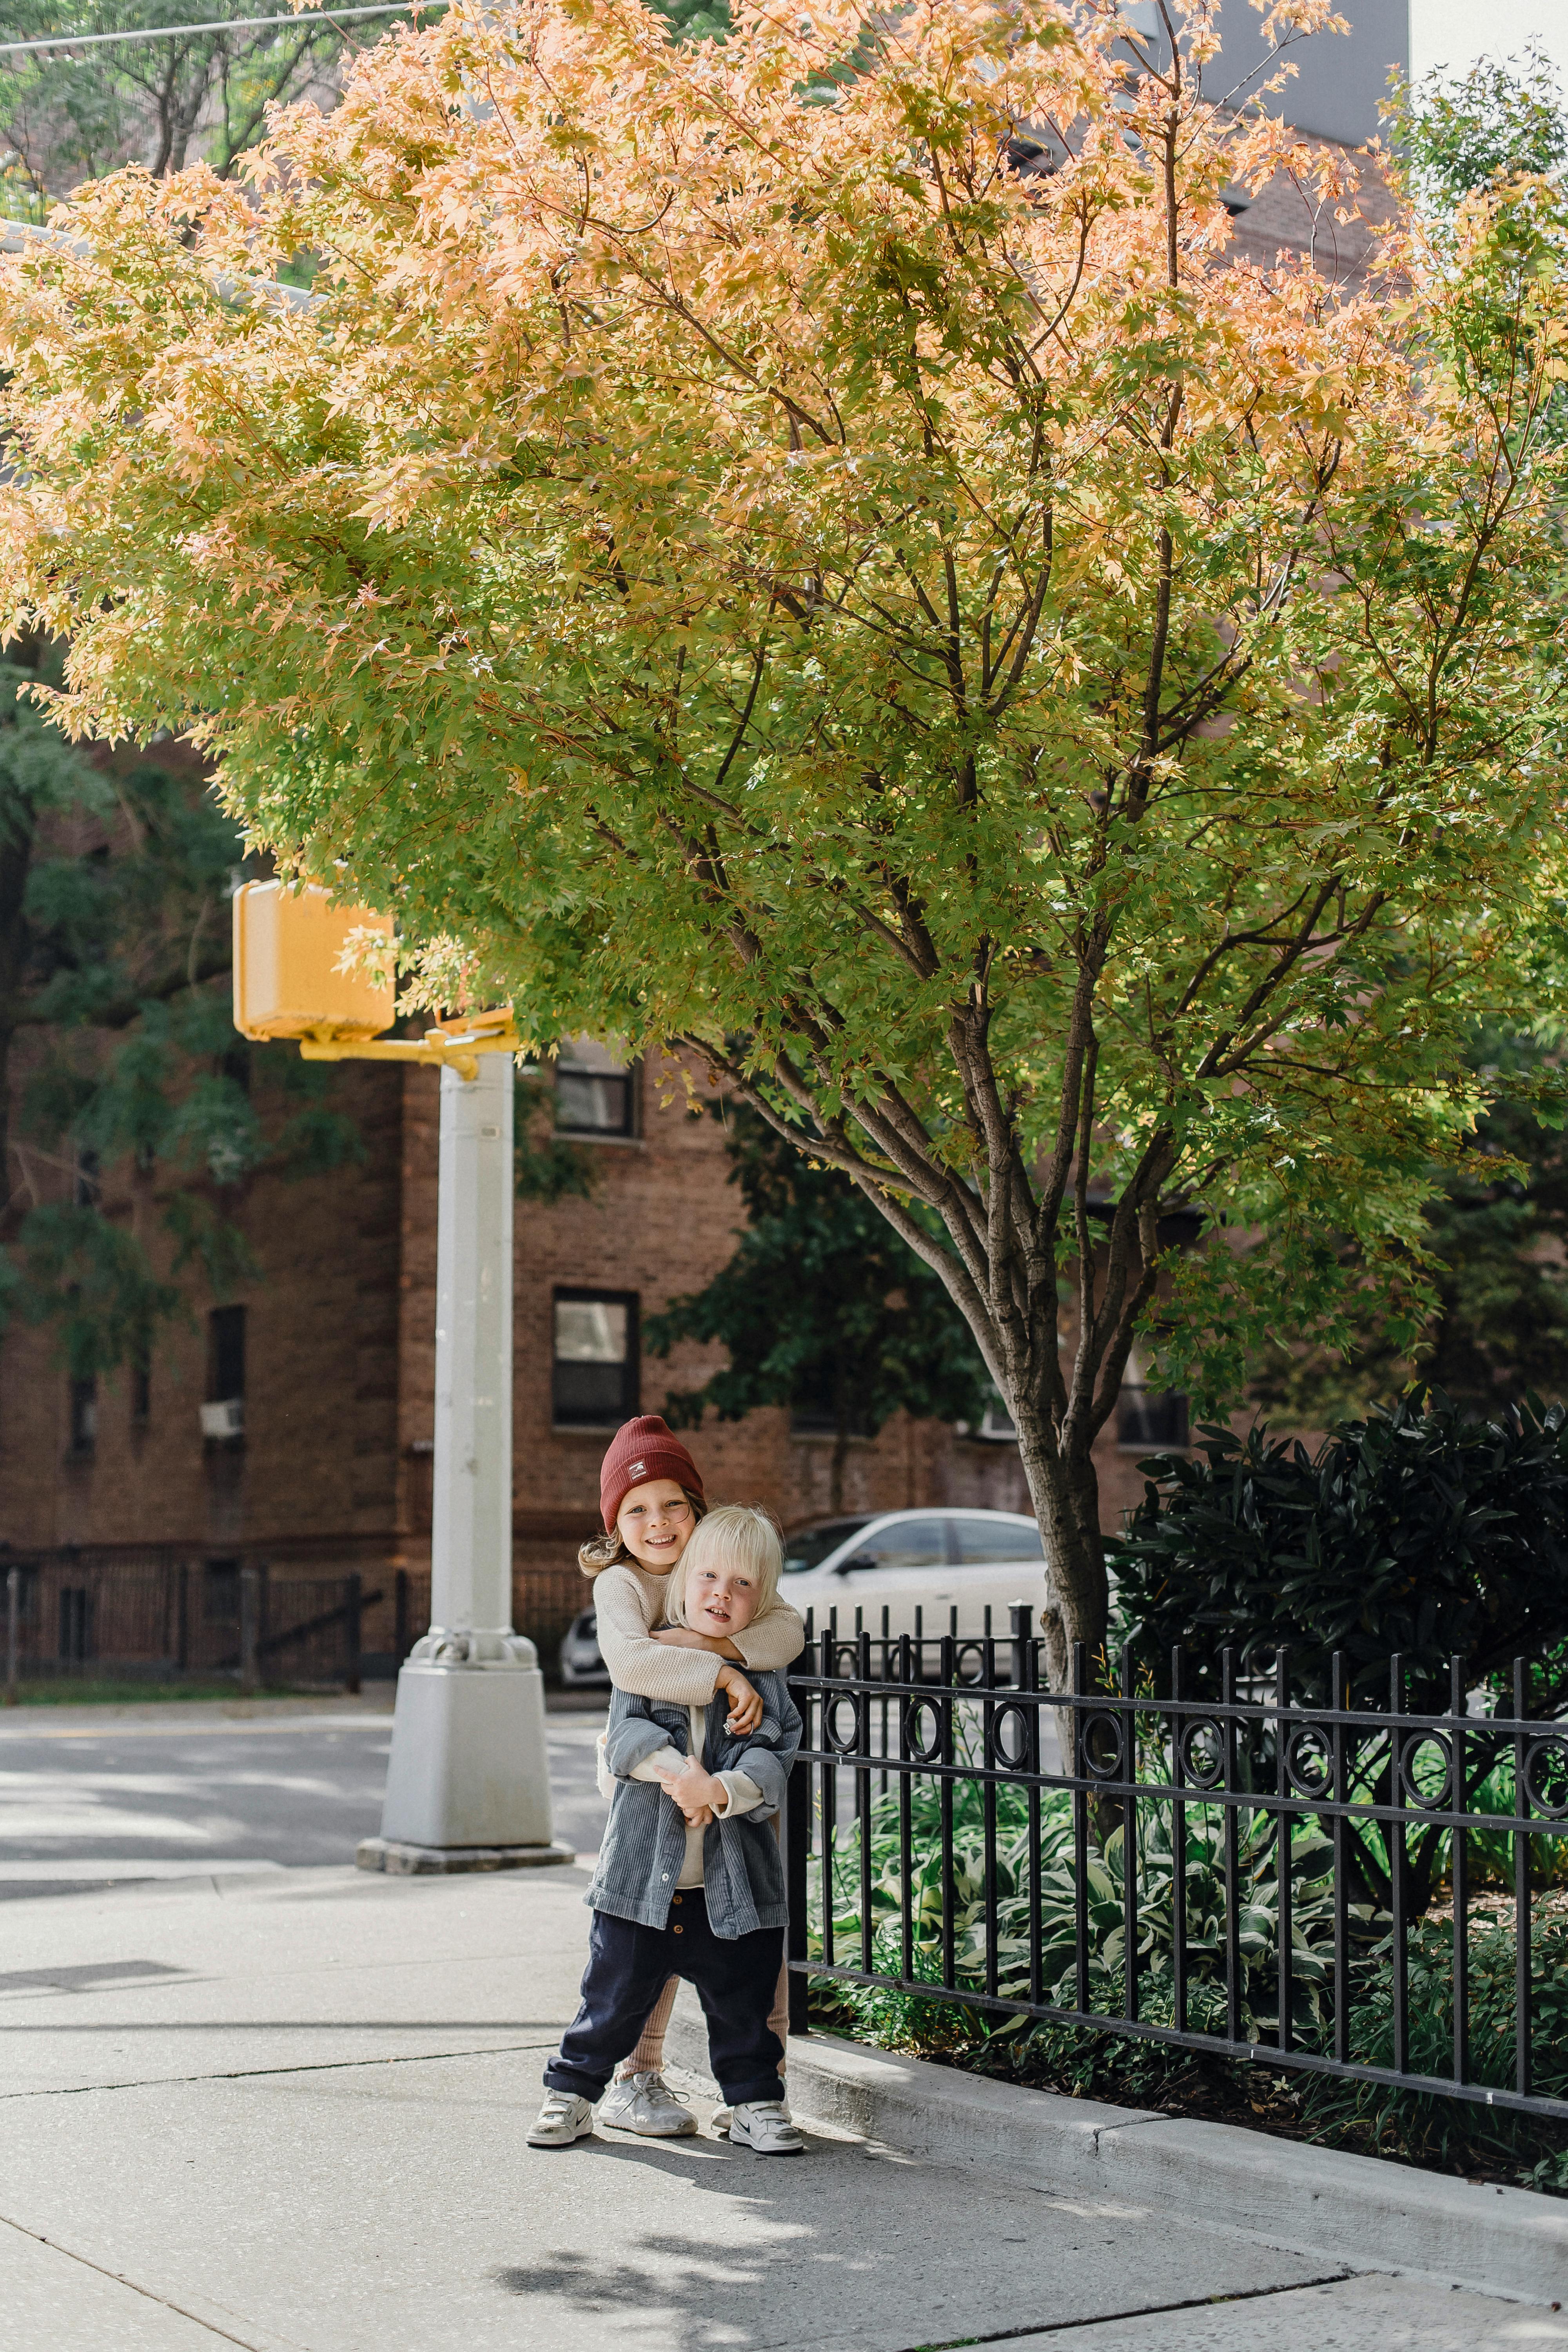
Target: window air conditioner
x,y
224,1419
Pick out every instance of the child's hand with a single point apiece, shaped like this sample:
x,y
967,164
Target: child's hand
x,y
694,1791
745,1703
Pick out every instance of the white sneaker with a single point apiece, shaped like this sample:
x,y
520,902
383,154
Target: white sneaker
x,y
718,2121
562,2118
766,2129
646,2104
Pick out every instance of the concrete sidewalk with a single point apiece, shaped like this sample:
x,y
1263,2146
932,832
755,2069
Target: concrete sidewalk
x,y
288,2112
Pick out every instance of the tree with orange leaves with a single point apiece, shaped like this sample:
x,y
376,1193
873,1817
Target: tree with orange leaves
x,y
1042,709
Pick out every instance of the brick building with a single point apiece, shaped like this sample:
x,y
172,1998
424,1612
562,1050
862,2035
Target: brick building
x,y
295,1423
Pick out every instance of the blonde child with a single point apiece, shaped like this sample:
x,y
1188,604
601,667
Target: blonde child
x,y
651,1500
690,1880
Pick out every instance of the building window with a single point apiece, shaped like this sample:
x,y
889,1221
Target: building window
x,y
595,1371
595,1091
83,1416
1146,1417
141,1388
223,1415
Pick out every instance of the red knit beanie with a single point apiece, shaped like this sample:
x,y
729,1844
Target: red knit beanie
x,y
641,1450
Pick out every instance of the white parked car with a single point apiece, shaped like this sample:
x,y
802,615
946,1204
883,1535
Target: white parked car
x,y
932,1560
582,1667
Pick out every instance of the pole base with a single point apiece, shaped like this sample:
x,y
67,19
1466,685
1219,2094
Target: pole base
x,y
470,1768
400,1860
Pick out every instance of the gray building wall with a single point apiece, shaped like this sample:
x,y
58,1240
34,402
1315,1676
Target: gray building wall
x,y
1340,77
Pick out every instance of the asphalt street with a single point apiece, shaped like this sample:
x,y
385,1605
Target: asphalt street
x,y
100,1796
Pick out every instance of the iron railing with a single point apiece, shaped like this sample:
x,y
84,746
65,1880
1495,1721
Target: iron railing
x,y
170,1611
74,1611
545,1601
1238,1874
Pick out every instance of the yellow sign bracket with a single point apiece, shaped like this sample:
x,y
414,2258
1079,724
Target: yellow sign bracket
x,y
454,1044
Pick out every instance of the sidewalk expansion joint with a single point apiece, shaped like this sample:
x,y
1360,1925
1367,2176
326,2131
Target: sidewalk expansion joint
x,y
1140,2311
150,2295
250,2074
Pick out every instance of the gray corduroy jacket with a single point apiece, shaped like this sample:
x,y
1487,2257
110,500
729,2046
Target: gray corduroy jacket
x,y
645,1842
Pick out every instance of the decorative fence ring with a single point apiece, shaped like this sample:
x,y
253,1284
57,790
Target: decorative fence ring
x,y
1309,1760
920,1751
969,1664
1426,1800
1535,1755
1201,1773
835,1739
998,1755
1111,1769
846,1665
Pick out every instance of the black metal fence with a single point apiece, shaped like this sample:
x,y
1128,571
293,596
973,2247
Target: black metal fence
x,y
1367,1893
81,1613
545,1601
168,1613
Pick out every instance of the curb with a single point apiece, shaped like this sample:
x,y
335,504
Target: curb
x,y
400,1860
1357,2210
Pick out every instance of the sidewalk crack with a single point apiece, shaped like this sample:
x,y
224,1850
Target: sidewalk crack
x,y
150,2295
250,2074
1139,2310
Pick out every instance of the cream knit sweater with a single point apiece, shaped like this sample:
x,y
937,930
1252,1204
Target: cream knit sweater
x,y
630,1602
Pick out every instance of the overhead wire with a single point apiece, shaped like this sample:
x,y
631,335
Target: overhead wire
x,y
218,25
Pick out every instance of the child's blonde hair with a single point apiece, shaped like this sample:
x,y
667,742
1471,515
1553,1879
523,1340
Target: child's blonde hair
x,y
735,1534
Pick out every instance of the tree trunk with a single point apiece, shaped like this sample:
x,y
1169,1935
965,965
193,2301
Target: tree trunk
x,y
1064,1488
1065,1491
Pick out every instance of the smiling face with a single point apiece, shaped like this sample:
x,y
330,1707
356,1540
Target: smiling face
x,y
654,1523
720,1601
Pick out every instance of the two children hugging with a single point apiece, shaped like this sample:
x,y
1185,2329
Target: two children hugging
x,y
691,1878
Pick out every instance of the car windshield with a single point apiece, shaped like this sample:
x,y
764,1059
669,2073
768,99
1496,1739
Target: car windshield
x,y
809,1547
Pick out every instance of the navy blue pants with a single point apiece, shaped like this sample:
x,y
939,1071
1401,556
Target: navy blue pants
x,y
629,1968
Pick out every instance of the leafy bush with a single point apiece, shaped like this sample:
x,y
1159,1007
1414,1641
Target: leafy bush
x,y
1105,1880
1415,1532
1445,2133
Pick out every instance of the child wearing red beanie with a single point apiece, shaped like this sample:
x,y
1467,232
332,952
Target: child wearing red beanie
x,y
651,1498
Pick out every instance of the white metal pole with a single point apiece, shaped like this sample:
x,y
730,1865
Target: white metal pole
x,y
468,1784
471,1539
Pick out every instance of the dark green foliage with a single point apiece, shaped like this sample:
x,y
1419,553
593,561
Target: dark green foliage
x,y
1445,2134
822,1308
1052,1854
695,20
1430,2123
114,954
1448,2135
1495,1262
1419,1531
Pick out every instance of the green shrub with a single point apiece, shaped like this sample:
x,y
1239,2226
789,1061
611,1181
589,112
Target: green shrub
x,y
1415,1532
1448,2134
1105,1883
